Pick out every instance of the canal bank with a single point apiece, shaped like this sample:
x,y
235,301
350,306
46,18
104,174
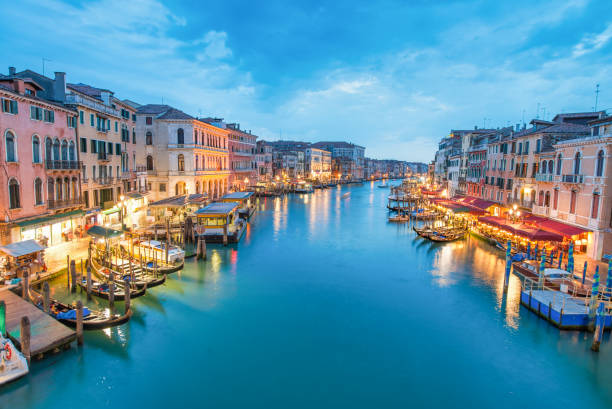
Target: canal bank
x,y
326,304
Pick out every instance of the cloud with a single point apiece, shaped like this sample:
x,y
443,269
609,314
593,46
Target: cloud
x,y
590,42
215,45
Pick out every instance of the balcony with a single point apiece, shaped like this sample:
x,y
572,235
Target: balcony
x,y
128,175
61,204
63,165
104,181
544,178
525,204
103,156
573,179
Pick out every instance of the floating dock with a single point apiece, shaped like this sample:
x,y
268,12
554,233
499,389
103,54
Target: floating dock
x,y
560,309
47,334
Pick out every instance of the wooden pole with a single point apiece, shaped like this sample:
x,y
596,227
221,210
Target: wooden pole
x,y
67,271
89,282
46,297
599,327
79,322
82,271
26,284
127,296
2,319
24,338
111,291
131,270
72,276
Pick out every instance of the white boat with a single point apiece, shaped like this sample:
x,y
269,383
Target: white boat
x,y
148,247
13,365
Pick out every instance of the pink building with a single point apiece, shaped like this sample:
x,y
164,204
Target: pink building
x,y
41,197
241,146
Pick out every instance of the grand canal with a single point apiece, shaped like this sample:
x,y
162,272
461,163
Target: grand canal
x,y
326,304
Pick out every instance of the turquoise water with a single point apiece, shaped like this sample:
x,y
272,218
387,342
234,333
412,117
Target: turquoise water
x,y
326,304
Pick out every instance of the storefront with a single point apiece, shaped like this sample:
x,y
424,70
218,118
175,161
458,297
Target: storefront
x,y
51,230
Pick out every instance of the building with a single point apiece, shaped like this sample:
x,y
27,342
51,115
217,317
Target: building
x,y
348,159
39,157
243,166
317,164
263,159
183,154
107,148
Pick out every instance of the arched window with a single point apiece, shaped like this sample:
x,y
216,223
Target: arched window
x,y
577,163
71,151
550,166
38,195
149,162
58,189
74,188
180,136
11,151
66,190
64,150
197,164
595,206
541,198
543,167
50,189
572,208
149,138
48,150
559,164
181,163
599,167
56,150
195,136
35,149
547,199
197,187
14,200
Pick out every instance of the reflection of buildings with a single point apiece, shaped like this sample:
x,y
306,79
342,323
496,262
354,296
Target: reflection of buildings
x,y
41,171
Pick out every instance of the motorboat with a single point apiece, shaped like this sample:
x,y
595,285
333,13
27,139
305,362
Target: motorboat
x,y
13,365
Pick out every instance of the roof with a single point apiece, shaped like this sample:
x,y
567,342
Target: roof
x,y
21,248
238,195
103,232
588,116
47,219
174,113
181,200
153,109
339,144
162,111
88,90
217,209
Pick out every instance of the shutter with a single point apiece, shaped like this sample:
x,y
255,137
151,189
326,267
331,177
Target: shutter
x,y
14,107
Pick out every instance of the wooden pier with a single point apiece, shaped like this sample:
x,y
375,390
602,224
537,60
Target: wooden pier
x,y
47,334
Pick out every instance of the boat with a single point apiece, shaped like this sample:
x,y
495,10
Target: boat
x,y
92,320
141,279
422,232
554,278
383,186
176,255
162,268
400,218
13,365
441,236
101,289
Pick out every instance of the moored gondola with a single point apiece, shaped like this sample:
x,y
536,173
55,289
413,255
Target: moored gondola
x,y
102,290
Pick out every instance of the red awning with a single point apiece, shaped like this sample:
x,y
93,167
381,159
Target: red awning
x,y
536,234
497,222
564,229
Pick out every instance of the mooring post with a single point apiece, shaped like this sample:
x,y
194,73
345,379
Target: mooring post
x,y
599,327
127,296
46,297
81,272
26,284
2,319
111,291
508,264
67,271
89,282
594,298
24,338
79,322
72,276
131,270
225,234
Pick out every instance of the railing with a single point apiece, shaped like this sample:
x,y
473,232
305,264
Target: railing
x,y
77,99
103,156
59,204
104,181
573,179
128,175
544,178
63,164
101,129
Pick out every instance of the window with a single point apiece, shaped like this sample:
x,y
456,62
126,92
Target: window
x,y
94,146
116,126
11,151
81,117
71,151
91,120
547,199
577,163
83,145
180,136
35,149
64,150
149,162
572,208
36,113
538,145
117,149
149,120
550,166
134,135
110,148
595,206
9,106
599,167
181,163
555,198
71,121
14,201
38,197
559,164
49,116
162,187
149,138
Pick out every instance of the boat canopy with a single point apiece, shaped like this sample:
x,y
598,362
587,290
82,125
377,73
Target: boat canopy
x,y
103,232
237,196
21,248
181,200
217,209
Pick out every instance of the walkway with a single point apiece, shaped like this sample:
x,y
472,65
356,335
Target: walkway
x,y
55,256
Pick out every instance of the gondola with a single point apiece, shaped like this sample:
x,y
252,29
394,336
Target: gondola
x,y
100,289
423,232
446,237
399,218
92,320
530,270
162,269
141,280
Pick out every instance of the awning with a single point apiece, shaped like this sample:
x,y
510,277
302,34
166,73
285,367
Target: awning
x,y
537,234
55,218
564,229
217,209
21,248
110,211
103,232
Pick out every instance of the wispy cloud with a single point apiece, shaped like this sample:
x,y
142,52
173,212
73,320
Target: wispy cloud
x,y
592,42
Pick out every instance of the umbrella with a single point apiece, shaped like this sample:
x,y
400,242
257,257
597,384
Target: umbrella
x,y
570,258
542,265
584,272
560,259
528,250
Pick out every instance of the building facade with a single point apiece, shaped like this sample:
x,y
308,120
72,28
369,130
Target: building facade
x,y
243,166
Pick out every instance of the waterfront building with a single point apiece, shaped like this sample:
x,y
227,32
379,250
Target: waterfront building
x,y
317,164
476,160
452,184
42,191
243,166
107,148
348,159
183,155
263,159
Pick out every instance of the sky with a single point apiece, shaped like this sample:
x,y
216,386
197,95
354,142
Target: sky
x,y
393,76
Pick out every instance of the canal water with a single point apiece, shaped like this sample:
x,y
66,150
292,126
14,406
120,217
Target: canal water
x,y
324,304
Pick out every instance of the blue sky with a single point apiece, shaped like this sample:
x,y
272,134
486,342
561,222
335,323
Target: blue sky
x,y
394,76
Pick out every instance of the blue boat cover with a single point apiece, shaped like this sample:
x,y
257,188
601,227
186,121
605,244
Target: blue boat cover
x,y
71,315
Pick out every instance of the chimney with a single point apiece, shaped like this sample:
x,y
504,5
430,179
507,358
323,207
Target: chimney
x,y
12,71
19,86
59,87
105,95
